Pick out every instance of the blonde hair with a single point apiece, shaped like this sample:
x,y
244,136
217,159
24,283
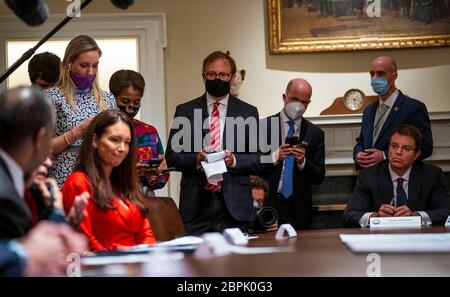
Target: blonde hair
x,y
77,46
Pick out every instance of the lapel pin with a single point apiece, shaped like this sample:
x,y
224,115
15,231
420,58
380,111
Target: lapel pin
x,y
396,108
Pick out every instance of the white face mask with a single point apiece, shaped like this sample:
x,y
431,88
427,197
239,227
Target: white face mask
x,y
256,204
294,110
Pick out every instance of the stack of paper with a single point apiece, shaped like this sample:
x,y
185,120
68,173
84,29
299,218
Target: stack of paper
x,y
398,243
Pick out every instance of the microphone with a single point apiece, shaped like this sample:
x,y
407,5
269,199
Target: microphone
x,y
32,12
122,4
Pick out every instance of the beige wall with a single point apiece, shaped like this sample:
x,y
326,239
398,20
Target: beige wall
x,y
197,27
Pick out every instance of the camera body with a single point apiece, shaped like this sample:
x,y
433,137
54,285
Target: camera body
x,y
265,217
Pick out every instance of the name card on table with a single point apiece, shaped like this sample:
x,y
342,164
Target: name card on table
x,y
235,236
447,222
285,231
396,222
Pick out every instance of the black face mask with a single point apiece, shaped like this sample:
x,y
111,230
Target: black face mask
x,y
131,111
217,87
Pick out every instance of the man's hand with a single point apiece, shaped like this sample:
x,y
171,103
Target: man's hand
x,y
77,213
284,151
362,159
299,154
229,158
386,210
404,211
201,156
273,227
375,156
47,246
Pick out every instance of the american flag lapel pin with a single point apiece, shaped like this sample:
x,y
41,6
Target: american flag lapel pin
x,y
396,108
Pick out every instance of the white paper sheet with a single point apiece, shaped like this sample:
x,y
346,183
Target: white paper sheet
x,y
397,243
214,170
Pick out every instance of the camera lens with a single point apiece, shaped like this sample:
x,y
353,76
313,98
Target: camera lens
x,y
266,216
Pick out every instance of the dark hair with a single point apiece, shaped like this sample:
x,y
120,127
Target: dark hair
x,y
45,66
23,111
123,79
408,130
257,182
217,55
123,177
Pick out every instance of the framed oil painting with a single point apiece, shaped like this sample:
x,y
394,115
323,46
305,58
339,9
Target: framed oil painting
x,y
347,25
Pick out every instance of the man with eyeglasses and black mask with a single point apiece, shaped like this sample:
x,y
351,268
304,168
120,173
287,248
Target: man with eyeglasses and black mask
x,y
400,186
198,128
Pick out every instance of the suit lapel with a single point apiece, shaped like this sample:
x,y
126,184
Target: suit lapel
x,y
203,105
370,124
414,186
232,112
385,184
391,117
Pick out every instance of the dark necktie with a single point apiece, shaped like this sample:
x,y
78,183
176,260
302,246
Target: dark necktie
x,y
402,199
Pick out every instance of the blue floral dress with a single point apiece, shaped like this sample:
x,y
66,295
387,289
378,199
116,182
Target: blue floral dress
x,y
66,119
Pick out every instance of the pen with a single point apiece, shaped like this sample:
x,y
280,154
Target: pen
x,y
394,201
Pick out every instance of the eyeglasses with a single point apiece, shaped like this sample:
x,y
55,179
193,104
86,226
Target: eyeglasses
x,y
222,75
403,148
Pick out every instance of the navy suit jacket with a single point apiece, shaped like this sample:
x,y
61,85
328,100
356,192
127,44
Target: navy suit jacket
x,y
15,216
312,173
236,182
426,192
406,110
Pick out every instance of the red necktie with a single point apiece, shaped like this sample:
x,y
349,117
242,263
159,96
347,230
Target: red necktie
x,y
214,138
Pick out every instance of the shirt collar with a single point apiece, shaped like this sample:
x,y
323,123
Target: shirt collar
x,y
16,172
211,99
394,175
391,99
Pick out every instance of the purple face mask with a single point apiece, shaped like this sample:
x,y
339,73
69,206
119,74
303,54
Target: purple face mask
x,y
82,82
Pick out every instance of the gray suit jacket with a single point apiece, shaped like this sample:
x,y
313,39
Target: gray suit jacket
x,y
236,182
426,192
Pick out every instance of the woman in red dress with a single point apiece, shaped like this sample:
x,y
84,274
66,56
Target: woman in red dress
x,y
107,170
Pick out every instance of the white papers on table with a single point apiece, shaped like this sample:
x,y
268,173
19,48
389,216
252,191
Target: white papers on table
x,y
214,166
185,240
397,243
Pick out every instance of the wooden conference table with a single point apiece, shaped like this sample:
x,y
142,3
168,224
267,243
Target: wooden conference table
x,y
315,253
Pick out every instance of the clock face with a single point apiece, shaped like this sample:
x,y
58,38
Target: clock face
x,y
354,99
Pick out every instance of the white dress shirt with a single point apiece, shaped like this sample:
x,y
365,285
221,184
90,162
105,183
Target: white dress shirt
x,y
210,100
284,132
426,221
16,172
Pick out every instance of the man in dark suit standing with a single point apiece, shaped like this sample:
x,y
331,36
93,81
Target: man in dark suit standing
x,y
400,186
380,117
294,167
207,124
26,128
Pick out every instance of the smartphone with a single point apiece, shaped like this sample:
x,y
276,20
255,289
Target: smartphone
x,y
44,208
165,170
292,140
154,162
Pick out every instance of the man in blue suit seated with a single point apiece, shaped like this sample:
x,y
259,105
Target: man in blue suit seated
x,y
380,117
400,186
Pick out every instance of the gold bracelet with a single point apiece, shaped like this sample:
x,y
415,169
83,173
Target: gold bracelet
x,y
65,138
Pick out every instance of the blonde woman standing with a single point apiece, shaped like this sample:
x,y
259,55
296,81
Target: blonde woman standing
x,y
76,99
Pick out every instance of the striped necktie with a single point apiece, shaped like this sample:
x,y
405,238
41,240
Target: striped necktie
x,y
287,186
214,138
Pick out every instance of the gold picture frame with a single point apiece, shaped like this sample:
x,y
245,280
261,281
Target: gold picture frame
x,y
306,27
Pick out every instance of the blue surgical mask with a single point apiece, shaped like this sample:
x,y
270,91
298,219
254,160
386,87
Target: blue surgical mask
x,y
380,85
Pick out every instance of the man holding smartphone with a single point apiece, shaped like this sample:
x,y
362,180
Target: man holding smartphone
x,y
299,160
